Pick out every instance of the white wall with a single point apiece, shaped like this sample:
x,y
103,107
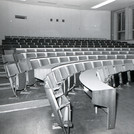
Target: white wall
x,y
78,23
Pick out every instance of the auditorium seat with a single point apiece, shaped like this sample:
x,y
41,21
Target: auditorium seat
x,y
17,79
60,107
97,64
35,63
54,60
44,61
7,59
64,59
87,65
24,66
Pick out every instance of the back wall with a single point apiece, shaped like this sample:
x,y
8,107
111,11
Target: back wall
x,y
65,22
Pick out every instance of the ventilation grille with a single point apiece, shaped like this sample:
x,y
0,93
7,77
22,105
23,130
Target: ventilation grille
x,y
20,17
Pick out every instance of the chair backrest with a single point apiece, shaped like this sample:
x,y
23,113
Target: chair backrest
x,y
107,63
44,62
83,57
41,55
117,62
79,67
100,74
64,73
31,55
54,60
102,57
11,69
111,57
97,64
71,69
69,53
92,57
8,58
61,54
73,58
121,56
20,56
64,59
35,63
51,54
87,65
23,65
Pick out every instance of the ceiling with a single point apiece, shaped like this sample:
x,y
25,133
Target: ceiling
x,y
79,4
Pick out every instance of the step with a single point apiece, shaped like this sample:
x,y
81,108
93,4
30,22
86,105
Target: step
x,y
24,105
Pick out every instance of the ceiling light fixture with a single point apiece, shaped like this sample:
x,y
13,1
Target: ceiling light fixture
x,y
103,4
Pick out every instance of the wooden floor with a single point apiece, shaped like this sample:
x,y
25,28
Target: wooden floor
x,y
85,121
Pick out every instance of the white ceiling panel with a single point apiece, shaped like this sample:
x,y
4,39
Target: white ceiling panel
x,y
79,4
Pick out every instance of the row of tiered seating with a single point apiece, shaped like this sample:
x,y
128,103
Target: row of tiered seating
x,y
31,42
60,67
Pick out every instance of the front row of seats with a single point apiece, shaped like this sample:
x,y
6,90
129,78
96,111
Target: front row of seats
x,y
59,103
116,75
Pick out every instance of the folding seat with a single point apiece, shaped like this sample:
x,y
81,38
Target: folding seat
x,y
102,57
35,63
67,49
97,52
60,106
131,52
130,56
66,77
51,54
7,59
7,52
88,53
114,79
111,56
54,60
40,50
31,55
17,51
114,52
118,65
73,76
97,64
129,67
64,59
20,56
83,57
76,49
87,65
25,66
107,63
70,54
103,75
79,53
73,58
62,77
31,50
41,54
92,57
123,52
17,79
44,61
50,50
105,52
121,56
61,54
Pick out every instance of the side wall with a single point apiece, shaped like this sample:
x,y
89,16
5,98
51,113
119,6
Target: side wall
x,y
78,23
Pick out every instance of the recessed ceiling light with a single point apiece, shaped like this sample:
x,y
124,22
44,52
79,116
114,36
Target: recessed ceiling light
x,y
22,0
103,3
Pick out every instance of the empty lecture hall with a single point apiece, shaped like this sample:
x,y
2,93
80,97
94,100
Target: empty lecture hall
x,y
66,66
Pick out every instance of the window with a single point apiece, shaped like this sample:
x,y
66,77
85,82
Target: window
x,y
121,25
133,23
